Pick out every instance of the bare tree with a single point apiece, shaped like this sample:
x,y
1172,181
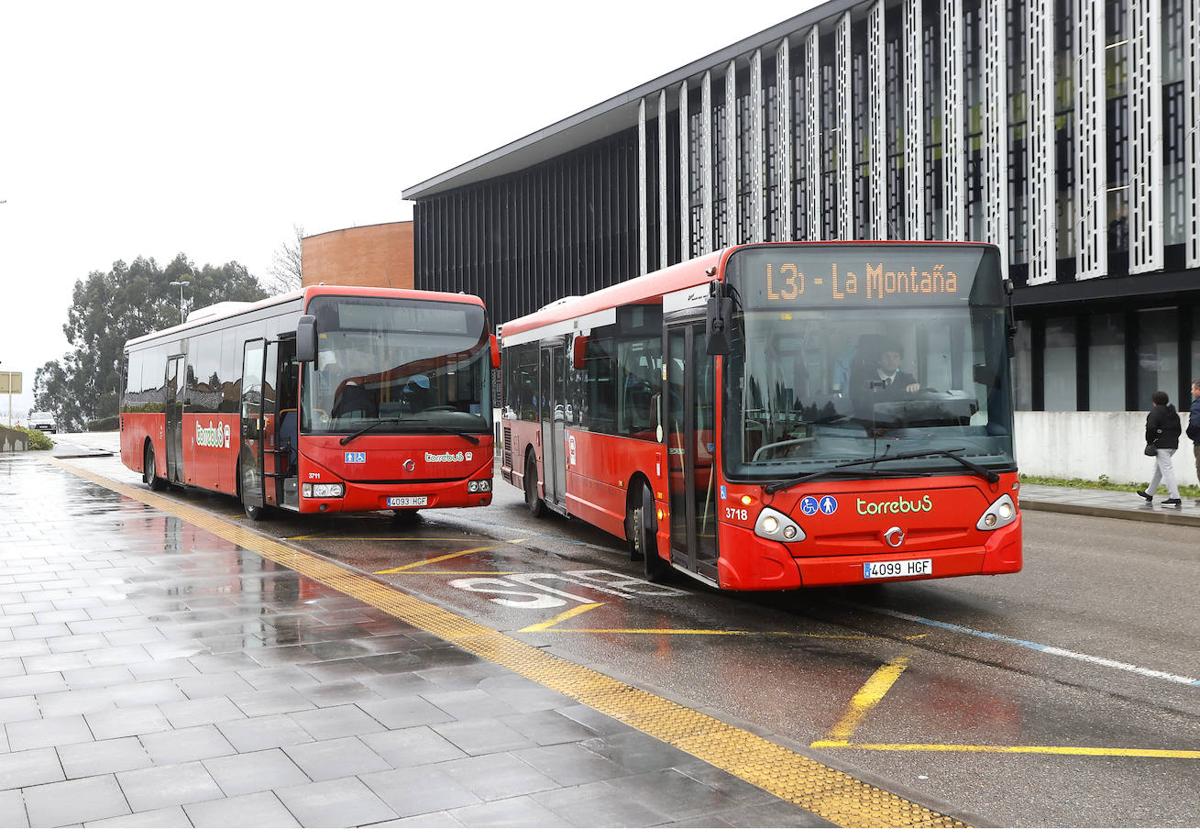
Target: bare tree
x,y
285,271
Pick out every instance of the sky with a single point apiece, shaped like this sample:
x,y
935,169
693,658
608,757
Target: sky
x,y
212,128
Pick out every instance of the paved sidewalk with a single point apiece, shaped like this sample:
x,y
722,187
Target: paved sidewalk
x,y
1108,503
153,674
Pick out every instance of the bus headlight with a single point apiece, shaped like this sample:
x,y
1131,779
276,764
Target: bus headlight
x,y
1001,512
323,491
774,525
480,486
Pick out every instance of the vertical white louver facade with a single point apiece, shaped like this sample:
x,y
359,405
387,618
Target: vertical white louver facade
x,y
643,221
813,135
914,121
1091,198
706,164
785,149
730,235
995,127
662,179
757,232
1042,175
1191,140
1146,250
953,151
685,209
877,121
845,138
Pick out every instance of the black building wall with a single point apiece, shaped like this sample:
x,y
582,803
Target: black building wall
x,y
568,226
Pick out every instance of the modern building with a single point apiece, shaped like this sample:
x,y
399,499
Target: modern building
x,y
370,255
1066,131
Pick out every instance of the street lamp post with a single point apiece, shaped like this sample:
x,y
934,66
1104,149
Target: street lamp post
x,y
180,284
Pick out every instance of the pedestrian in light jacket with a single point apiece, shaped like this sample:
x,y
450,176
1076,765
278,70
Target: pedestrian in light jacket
x,y
1193,427
1162,432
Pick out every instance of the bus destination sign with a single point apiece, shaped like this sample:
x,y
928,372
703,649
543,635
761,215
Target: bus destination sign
x,y
771,278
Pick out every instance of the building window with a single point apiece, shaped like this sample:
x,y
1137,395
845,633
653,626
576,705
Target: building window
x,y
1106,362
1023,367
1158,354
1059,365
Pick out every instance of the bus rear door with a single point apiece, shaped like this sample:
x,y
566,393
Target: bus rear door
x,y
251,453
553,408
176,381
690,438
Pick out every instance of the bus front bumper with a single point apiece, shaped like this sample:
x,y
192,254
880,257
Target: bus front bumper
x,y
750,563
361,497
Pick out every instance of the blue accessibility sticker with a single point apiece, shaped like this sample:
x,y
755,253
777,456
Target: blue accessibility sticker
x,y
808,505
828,505
724,494
355,457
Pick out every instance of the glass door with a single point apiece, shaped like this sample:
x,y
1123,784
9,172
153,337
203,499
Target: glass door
x,y
176,381
690,437
253,364
554,424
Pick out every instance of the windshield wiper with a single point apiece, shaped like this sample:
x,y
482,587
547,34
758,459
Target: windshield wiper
x,y
368,428
400,420
990,476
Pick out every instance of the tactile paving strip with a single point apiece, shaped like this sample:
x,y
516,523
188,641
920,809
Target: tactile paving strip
x,y
831,794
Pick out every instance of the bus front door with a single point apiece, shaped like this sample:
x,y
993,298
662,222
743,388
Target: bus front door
x,y
554,424
250,457
176,381
690,438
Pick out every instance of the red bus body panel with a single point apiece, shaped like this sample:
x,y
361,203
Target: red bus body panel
x,y
385,473
600,469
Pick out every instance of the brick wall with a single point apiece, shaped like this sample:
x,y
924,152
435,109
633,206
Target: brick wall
x,y
371,255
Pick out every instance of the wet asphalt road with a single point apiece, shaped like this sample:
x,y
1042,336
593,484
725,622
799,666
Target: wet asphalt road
x,y
1114,602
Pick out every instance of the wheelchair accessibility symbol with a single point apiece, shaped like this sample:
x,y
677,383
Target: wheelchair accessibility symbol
x,y
808,505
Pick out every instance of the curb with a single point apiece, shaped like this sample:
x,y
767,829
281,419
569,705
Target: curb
x,y
1161,517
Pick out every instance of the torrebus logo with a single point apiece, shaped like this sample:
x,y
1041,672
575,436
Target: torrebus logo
x,y
447,457
898,505
213,436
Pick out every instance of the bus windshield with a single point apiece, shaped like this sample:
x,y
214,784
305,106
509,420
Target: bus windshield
x,y
419,366
849,353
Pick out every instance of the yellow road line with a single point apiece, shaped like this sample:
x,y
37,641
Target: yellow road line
x,y
562,616
867,698
831,794
348,538
468,572
451,556
1119,752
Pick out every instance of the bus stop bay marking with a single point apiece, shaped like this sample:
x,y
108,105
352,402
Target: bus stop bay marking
x,y
514,590
451,556
880,683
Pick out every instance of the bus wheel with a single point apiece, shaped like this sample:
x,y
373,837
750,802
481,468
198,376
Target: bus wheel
x,y
536,506
254,513
149,471
643,545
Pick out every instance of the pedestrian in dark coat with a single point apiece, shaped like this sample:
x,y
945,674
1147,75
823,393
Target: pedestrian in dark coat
x,y
1193,426
1162,432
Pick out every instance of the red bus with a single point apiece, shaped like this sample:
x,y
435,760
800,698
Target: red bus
x,y
774,416
331,399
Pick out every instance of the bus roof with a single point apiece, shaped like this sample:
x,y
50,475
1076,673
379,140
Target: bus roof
x,y
230,309
651,287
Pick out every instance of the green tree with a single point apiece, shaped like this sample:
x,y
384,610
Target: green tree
x,y
111,307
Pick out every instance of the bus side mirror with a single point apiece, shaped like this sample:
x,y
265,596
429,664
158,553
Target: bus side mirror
x,y
495,345
306,339
718,325
579,352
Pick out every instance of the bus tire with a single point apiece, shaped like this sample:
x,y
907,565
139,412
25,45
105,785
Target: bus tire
x,y
254,513
643,546
533,502
150,475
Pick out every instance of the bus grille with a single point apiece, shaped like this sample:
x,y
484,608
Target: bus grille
x,y
507,459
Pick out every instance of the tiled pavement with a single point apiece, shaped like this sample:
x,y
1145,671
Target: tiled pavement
x,y
152,674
